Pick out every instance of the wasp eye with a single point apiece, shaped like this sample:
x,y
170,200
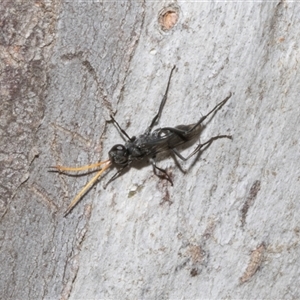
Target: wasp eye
x,y
118,155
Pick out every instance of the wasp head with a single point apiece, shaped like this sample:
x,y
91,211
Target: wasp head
x,y
118,154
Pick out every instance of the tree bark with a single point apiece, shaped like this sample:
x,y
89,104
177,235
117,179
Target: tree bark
x,y
228,228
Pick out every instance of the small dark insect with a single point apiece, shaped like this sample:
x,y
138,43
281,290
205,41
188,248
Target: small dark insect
x,y
148,144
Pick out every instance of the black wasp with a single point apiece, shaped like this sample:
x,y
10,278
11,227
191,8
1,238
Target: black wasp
x,y
146,145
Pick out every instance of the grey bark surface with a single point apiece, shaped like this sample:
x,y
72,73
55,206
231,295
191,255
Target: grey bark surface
x,y
228,228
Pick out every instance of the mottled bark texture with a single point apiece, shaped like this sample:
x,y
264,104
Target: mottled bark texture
x,y
228,228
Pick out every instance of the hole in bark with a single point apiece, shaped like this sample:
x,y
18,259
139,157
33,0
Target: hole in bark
x,y
168,18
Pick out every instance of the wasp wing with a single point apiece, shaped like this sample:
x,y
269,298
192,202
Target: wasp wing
x,y
166,138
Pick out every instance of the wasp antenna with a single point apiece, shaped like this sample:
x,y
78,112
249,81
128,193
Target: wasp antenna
x,y
87,187
77,169
52,167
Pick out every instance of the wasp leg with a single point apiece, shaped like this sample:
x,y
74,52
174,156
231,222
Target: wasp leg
x,y
217,107
175,151
166,175
198,148
120,128
162,104
183,133
115,176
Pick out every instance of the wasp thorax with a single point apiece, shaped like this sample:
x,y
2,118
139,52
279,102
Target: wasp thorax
x,y
118,154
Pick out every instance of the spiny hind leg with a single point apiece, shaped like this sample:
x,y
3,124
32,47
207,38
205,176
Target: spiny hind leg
x,y
200,146
214,110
